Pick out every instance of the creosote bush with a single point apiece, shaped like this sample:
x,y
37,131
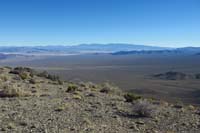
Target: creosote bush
x,y
130,97
143,108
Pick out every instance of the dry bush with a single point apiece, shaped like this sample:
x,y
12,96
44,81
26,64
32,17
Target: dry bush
x,y
143,108
11,91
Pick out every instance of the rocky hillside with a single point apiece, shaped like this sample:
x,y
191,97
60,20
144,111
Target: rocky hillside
x,y
37,102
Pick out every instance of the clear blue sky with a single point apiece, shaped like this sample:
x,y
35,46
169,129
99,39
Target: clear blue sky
x,y
66,22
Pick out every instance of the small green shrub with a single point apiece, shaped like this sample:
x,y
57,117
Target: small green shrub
x,y
130,97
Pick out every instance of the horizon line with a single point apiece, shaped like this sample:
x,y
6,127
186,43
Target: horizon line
x,y
65,45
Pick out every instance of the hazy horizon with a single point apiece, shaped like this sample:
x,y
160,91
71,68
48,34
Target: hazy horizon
x,y
38,45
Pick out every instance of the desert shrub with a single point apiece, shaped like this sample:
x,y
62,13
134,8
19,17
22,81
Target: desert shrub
x,y
23,75
105,90
43,74
48,76
130,97
19,70
72,88
10,91
143,108
82,84
14,72
4,78
53,77
108,88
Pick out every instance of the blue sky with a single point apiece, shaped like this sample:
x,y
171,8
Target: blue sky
x,y
172,23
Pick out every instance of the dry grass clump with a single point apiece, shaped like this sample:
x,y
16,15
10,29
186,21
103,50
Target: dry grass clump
x,y
143,108
4,78
11,91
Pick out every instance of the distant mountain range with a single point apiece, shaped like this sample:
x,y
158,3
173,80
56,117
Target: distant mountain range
x,y
147,52
6,56
82,48
114,48
185,50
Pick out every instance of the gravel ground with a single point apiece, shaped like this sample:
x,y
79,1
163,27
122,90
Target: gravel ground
x,y
40,104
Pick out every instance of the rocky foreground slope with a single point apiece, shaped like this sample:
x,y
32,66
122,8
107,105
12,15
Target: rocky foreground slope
x,y
38,102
